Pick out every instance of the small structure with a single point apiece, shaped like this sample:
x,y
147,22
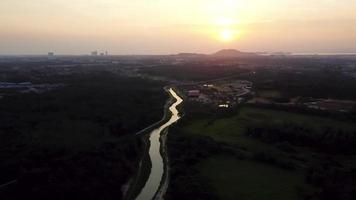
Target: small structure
x,y
193,93
94,53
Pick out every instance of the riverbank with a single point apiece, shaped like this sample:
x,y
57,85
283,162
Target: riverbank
x,y
156,131
164,150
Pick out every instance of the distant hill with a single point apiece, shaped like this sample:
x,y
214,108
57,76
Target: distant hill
x,y
221,53
233,53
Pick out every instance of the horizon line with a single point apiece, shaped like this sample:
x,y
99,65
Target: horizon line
x,y
170,54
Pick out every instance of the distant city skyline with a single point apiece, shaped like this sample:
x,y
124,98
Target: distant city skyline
x,y
167,27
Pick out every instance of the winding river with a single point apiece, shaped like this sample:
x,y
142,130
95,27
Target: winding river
x,y
156,184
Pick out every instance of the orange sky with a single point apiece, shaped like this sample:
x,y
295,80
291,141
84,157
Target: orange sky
x,y
170,26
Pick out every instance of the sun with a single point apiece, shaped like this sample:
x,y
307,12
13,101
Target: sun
x,y
226,29
227,35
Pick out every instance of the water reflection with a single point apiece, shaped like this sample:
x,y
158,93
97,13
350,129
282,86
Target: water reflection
x,y
153,183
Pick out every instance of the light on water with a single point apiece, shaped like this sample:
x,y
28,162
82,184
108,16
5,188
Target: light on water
x,y
157,171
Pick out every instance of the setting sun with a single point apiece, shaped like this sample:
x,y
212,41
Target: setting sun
x,y
228,35
226,28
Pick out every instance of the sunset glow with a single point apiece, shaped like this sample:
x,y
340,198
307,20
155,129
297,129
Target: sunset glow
x,y
227,35
155,27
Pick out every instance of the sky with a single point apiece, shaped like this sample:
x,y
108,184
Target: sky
x,y
172,26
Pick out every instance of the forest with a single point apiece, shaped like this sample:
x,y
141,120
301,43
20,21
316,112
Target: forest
x,y
76,142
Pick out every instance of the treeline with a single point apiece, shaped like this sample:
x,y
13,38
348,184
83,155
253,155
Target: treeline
x,y
76,142
194,72
326,139
347,116
60,173
314,82
112,103
330,176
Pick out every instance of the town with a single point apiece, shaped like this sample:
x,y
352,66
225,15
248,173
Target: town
x,y
222,94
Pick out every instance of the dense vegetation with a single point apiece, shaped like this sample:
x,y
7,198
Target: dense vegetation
x,y
185,183
314,82
327,139
195,72
260,153
76,142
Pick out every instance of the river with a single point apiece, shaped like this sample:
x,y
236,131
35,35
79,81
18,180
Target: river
x,y
156,186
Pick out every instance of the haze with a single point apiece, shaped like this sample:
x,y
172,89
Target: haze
x,y
171,26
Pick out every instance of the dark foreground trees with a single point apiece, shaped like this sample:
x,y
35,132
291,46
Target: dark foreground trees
x,y
76,142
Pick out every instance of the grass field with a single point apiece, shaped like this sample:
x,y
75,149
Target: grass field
x,y
249,180
253,178
231,130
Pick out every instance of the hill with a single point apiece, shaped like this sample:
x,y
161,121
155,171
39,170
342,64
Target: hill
x,y
233,53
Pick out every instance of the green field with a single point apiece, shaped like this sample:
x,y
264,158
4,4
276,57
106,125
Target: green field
x,y
249,180
231,129
254,178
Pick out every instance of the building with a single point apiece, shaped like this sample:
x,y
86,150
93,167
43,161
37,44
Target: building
x,y
94,53
50,54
